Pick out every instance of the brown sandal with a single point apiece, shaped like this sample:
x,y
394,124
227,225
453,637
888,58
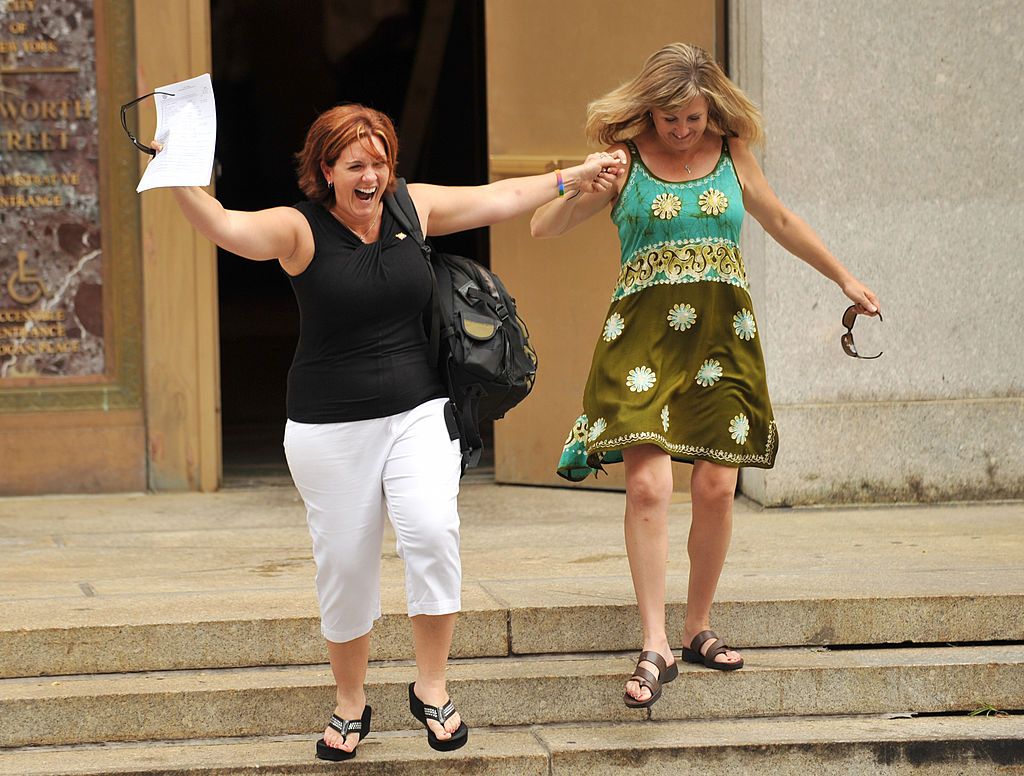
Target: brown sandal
x,y
693,654
643,677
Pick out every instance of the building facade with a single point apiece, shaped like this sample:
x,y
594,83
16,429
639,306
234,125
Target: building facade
x,y
890,134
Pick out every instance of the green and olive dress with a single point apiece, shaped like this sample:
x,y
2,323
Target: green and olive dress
x,y
678,363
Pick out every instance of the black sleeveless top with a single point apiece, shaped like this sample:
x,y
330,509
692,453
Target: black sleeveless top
x,y
362,350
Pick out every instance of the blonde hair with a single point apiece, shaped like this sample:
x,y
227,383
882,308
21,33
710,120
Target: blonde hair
x,y
669,80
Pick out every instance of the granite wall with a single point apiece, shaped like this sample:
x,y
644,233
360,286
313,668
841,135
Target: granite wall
x,y
895,131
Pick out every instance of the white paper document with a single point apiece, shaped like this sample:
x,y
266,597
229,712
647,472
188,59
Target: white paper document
x,y
186,126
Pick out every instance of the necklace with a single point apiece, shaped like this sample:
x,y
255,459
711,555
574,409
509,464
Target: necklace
x,y
686,166
362,237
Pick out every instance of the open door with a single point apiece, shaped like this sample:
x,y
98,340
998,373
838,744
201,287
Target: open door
x,y
545,62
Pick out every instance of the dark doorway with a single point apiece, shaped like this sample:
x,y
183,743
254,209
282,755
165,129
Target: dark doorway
x,y
274,70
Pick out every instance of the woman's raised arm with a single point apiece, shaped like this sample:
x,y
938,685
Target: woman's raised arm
x,y
447,209
276,233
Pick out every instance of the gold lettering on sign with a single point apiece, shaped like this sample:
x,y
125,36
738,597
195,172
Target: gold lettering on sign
x,y
17,316
40,46
18,201
36,141
25,277
42,346
45,332
61,346
24,180
49,110
17,349
14,6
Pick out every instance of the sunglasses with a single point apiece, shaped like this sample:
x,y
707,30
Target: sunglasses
x,y
144,148
849,318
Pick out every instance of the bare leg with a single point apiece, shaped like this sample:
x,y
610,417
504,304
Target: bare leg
x,y
648,492
432,634
712,490
348,664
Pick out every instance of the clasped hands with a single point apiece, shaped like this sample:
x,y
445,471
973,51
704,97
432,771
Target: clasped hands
x,y
600,171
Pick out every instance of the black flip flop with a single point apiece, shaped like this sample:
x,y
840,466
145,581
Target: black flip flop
x,y
423,712
344,726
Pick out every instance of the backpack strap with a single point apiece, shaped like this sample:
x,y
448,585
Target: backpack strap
x,y
404,210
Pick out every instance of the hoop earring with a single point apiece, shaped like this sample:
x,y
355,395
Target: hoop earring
x,y
330,185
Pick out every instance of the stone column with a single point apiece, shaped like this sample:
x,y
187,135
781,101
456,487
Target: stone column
x,y
895,131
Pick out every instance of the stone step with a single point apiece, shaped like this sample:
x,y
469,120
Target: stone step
x,y
508,692
840,746
546,618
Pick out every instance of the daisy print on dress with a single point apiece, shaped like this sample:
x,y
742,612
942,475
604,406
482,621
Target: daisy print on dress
x,y
681,317
738,428
743,324
664,418
613,327
710,372
641,379
598,428
666,206
713,202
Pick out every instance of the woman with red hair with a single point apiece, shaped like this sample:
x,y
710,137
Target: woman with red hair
x,y
366,435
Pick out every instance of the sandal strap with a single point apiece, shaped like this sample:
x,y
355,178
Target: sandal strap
x,y
346,726
719,648
644,677
655,659
701,638
442,714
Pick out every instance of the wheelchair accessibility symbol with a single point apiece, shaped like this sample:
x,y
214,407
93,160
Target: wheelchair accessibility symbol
x,y
25,286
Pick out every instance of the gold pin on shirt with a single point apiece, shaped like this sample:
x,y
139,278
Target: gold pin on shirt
x,y
401,235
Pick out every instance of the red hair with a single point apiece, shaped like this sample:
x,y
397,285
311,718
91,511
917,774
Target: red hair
x,y
331,133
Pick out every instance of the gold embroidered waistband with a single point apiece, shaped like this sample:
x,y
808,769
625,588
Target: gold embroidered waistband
x,y
682,262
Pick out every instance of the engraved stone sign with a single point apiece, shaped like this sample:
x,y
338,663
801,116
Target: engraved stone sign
x,y
51,264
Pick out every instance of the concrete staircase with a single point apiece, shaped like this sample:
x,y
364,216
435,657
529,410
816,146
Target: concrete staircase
x,y
875,674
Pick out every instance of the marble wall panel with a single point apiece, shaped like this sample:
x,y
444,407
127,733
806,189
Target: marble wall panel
x,y
51,257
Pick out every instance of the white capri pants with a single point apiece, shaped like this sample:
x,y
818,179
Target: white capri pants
x,y
351,477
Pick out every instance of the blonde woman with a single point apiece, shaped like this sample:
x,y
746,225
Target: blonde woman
x,y
678,372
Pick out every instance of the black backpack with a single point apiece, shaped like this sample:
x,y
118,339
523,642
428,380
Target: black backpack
x,y
477,339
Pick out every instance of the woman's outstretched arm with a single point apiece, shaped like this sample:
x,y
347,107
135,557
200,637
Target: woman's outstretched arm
x,y
792,232
275,233
559,216
447,209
